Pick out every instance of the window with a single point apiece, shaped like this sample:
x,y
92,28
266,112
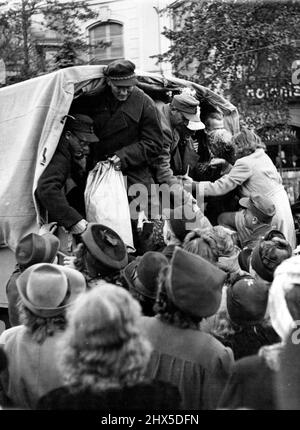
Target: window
x,y
110,32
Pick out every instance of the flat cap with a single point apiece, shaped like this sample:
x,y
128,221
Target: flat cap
x,y
261,206
189,107
83,126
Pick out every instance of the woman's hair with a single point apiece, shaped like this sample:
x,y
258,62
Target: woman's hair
x,y
224,240
40,328
246,142
221,145
166,309
102,346
225,327
203,244
86,263
146,302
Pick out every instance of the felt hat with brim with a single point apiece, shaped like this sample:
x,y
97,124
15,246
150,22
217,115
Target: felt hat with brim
x,y
195,285
121,73
247,301
33,249
106,246
82,126
261,206
48,289
188,106
142,274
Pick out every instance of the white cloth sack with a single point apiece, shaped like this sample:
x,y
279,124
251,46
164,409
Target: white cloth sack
x,y
106,200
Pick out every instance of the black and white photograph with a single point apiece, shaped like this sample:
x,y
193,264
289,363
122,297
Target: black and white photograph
x,y
149,209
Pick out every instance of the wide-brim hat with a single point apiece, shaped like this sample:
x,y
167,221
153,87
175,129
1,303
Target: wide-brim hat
x,y
106,246
48,289
195,284
33,249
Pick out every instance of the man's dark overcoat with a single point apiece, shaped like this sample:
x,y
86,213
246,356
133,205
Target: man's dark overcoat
x,y
129,129
172,160
61,187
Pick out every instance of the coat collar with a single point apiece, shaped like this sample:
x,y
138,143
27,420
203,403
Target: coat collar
x,y
131,108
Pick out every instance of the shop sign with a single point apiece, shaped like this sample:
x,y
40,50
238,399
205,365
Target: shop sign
x,y
265,90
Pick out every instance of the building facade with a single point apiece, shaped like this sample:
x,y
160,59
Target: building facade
x,y
131,29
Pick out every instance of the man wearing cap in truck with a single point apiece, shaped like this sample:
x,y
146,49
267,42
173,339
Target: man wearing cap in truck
x,y
60,189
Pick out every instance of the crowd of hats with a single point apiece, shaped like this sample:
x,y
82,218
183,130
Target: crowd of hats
x,y
196,285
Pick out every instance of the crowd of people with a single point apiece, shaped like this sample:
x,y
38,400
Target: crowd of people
x,y
203,314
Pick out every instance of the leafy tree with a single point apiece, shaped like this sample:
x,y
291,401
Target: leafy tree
x,y
65,19
230,45
19,47
14,35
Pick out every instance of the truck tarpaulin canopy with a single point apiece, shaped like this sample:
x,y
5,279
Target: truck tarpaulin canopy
x,y
31,122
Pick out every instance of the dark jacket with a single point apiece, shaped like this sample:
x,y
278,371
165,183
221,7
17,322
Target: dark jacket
x,y
129,129
173,159
142,396
194,361
64,202
247,340
252,382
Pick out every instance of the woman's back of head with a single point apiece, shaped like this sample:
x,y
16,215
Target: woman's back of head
x,y
107,309
246,142
221,146
202,244
103,346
